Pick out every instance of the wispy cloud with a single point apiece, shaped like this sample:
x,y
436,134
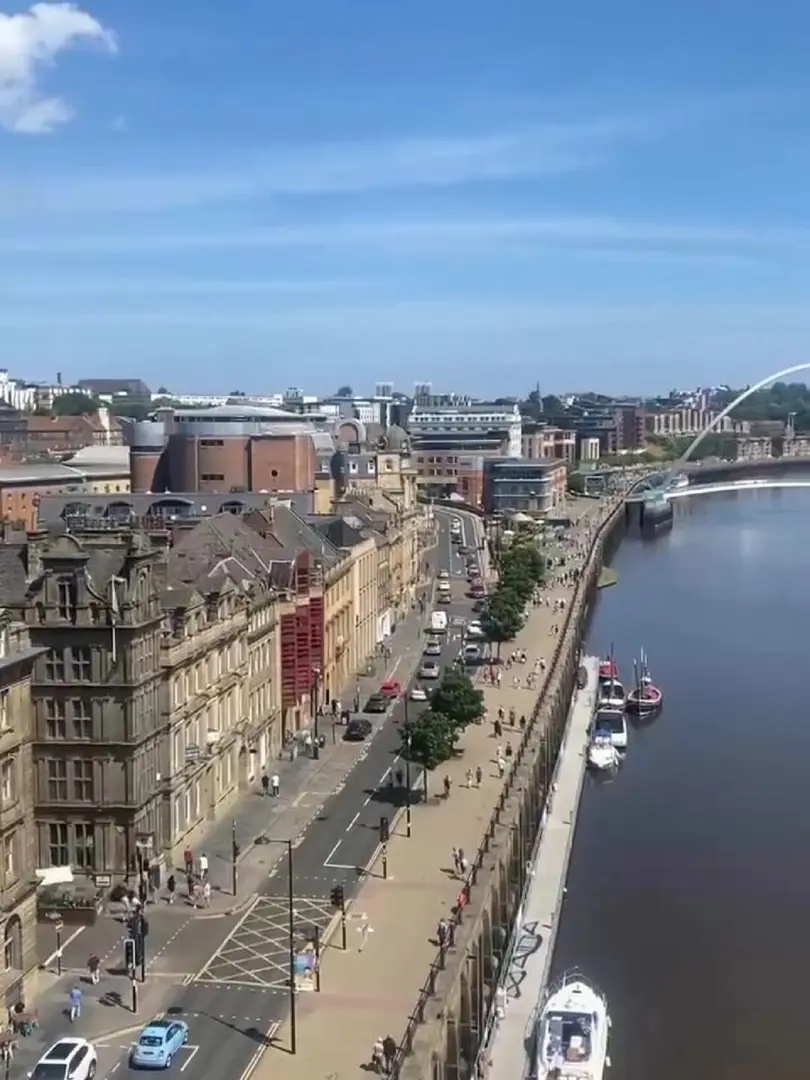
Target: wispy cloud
x,y
136,288
335,168
30,41
603,237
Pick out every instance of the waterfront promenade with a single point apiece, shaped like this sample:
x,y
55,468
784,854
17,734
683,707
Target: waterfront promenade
x,y
368,993
505,1057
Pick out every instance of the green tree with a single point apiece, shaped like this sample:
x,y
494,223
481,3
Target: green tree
x,y
428,740
457,698
344,391
503,617
525,558
74,403
576,483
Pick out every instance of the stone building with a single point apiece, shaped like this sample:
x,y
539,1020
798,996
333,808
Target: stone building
x,y
17,831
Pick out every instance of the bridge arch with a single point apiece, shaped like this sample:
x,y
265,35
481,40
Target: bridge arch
x,y
695,443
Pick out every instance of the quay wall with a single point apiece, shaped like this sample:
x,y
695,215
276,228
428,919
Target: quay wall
x,y
452,1016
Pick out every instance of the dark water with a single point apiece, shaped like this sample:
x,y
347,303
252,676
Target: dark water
x,y
689,890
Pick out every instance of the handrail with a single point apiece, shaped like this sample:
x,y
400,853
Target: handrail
x,y
437,965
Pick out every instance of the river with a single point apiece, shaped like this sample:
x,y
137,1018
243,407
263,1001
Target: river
x,y
688,895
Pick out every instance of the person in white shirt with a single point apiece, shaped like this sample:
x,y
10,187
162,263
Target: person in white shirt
x,y
274,784
203,866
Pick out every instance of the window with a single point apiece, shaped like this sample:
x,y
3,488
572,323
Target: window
x,y
66,599
85,847
55,666
58,852
9,861
8,781
82,665
83,780
211,442
55,727
81,719
212,476
5,722
57,783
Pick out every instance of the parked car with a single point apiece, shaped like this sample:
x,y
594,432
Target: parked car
x,y
444,575
158,1044
472,654
444,598
67,1059
474,629
418,693
430,669
433,648
391,688
358,729
377,703
480,604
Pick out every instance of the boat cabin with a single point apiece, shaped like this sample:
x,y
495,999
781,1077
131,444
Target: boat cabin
x,y
569,1039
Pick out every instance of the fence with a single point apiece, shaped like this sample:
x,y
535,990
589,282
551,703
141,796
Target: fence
x,y
428,991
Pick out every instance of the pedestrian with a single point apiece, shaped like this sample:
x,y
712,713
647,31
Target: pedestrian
x,y
265,783
498,728
463,863
389,1052
75,998
400,778
508,749
469,778
455,860
203,866
190,886
501,767
479,775
441,933
188,861
378,1056
171,886
447,785
275,785
206,891
93,966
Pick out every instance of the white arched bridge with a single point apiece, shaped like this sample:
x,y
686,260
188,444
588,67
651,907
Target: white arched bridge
x,y
728,485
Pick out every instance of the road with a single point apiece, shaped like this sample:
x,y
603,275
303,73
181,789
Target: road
x,y
240,995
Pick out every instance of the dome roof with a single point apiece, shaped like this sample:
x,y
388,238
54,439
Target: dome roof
x,y
396,438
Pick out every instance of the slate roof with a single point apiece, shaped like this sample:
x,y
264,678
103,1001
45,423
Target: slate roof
x,y
217,548
339,531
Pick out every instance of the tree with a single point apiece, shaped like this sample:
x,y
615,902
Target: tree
x,y
344,391
457,698
74,403
503,618
525,558
576,483
428,740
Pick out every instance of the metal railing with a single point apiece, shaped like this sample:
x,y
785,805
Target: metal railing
x,y
438,964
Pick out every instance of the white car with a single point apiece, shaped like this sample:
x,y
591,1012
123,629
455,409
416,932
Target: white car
x,y
67,1059
472,654
475,629
430,669
444,575
418,693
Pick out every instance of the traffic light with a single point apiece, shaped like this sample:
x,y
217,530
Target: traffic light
x,y
338,897
129,954
384,833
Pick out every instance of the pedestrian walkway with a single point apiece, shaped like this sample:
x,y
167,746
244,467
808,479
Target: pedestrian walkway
x,y
522,986
368,991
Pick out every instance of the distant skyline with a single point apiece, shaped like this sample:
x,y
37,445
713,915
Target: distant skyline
x,y
488,196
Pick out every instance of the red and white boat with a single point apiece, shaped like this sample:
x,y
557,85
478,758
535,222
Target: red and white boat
x,y
608,670
645,698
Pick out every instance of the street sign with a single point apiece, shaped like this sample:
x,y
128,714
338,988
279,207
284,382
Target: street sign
x,y
58,926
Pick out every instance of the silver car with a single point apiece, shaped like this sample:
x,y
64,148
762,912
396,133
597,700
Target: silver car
x,y
430,669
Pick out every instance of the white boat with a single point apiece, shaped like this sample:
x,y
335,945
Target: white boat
x,y
602,754
612,695
612,721
679,482
572,1032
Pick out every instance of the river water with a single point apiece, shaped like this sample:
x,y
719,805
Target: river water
x,y
688,895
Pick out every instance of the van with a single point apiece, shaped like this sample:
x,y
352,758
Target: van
x,y
438,622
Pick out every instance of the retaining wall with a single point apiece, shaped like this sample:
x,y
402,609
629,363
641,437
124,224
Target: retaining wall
x,y
450,1019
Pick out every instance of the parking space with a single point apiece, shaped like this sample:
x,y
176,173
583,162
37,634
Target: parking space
x,y
114,1058
257,952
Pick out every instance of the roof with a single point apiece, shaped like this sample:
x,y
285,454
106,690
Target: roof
x,y
217,548
257,412
295,534
50,472
339,531
100,455
133,387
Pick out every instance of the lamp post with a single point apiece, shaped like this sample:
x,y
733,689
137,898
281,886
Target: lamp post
x,y
314,707
290,939
408,790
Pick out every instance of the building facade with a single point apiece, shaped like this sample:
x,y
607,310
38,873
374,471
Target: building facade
x,y
521,485
544,442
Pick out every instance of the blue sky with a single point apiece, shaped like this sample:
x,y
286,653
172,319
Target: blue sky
x,y
260,195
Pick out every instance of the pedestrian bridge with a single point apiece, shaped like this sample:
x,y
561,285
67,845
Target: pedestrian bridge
x,y
730,485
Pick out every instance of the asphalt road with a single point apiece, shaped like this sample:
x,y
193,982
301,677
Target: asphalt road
x,y
240,996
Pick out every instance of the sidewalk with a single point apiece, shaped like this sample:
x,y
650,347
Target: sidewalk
x,y
367,993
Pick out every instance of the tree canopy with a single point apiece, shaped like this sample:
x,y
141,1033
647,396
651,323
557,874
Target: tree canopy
x,y
344,391
428,740
521,568
457,698
74,403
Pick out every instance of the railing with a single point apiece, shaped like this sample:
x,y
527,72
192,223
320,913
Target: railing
x,y
428,991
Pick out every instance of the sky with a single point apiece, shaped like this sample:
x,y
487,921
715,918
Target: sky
x,y
488,196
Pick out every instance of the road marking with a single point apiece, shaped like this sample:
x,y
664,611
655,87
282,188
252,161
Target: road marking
x,y
254,1061
64,945
225,940
191,1051
353,821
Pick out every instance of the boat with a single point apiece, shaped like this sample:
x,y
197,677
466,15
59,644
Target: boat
x,y
613,721
608,669
679,482
602,754
612,695
646,698
572,1032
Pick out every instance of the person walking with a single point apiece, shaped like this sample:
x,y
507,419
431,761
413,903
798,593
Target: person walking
x,y
389,1052
479,775
93,968
75,998
188,861
275,785
265,783
171,887
203,866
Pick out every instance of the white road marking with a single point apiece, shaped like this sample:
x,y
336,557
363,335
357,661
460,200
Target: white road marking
x,y
191,1051
215,954
353,821
64,945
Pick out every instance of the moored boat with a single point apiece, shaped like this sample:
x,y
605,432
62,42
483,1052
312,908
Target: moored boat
x,y
613,721
612,695
572,1031
608,669
645,698
602,754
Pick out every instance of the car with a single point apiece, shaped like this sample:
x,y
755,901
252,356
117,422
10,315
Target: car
x,y
443,587
472,654
475,629
419,693
67,1059
443,575
358,729
480,604
430,669
391,688
433,648
158,1043
444,598
377,703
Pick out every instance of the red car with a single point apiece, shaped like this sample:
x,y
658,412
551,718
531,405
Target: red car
x,y
391,688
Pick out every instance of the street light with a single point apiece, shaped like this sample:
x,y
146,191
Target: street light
x,y
407,774
291,938
314,709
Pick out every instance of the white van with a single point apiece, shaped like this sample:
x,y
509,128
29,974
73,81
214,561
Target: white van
x,y
438,622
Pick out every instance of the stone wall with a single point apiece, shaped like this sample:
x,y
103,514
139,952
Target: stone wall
x,y
450,1019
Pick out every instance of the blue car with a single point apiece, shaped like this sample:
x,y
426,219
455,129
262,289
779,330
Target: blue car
x,y
158,1043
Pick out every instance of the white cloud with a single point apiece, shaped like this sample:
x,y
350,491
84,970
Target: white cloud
x,y
29,42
